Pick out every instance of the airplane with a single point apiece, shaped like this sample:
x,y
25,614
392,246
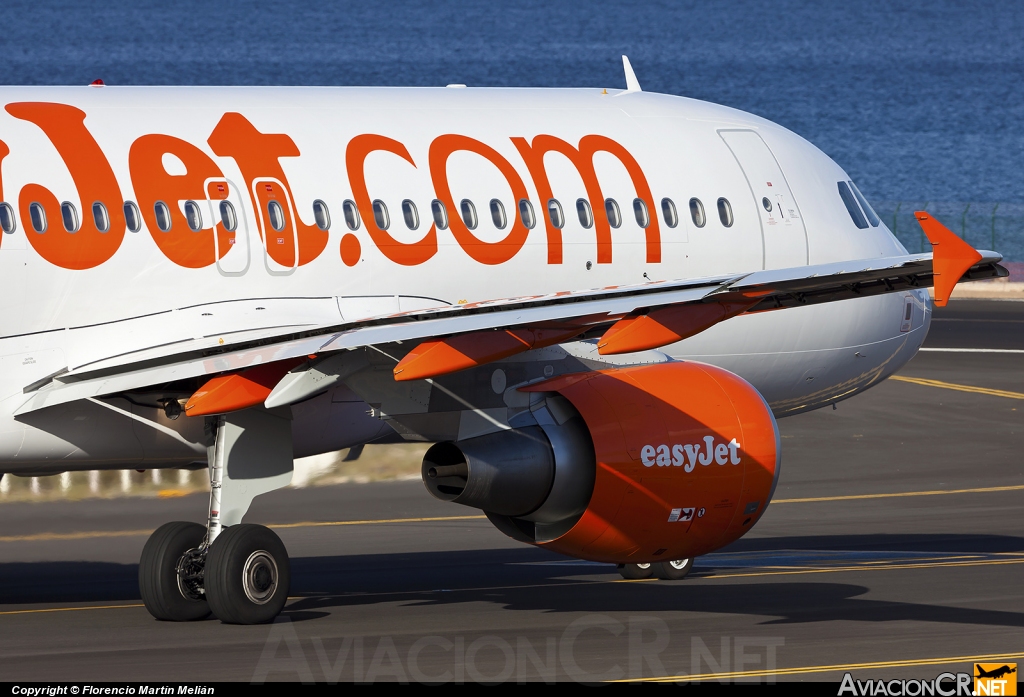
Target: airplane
x,y
995,673
593,303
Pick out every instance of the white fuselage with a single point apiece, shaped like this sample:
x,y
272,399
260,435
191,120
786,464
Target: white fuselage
x,y
73,298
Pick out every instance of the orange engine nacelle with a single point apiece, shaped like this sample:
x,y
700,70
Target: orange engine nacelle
x,y
686,460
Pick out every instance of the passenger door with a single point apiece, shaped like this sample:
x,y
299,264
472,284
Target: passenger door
x,y
782,226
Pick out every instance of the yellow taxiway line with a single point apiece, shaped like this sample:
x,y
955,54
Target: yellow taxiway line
x,y
46,536
901,494
959,388
866,566
333,523
37,611
837,668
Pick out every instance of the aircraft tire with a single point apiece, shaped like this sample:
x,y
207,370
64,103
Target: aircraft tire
x,y
164,595
674,570
635,571
247,575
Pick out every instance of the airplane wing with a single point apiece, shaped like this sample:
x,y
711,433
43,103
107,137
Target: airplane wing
x,y
627,318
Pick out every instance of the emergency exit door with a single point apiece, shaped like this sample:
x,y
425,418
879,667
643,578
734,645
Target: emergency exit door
x,y
231,228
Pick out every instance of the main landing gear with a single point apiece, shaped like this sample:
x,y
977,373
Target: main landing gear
x,y
674,570
238,572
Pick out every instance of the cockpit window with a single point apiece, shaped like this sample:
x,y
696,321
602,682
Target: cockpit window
x,y
851,205
868,210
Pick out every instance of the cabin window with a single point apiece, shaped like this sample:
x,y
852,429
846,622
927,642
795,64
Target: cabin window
x,y
498,214
555,214
228,217
411,214
321,215
351,212
643,218
163,216
669,212
611,209
38,215
276,214
380,215
868,210
69,214
725,212
851,206
193,216
468,213
526,214
697,212
100,217
132,217
584,213
440,214
7,219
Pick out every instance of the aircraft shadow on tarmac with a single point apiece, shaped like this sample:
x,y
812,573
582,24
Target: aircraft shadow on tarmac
x,y
534,579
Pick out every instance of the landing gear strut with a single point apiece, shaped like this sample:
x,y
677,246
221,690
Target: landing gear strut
x,y
238,572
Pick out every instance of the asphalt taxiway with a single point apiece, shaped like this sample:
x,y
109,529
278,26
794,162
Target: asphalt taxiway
x,y
894,548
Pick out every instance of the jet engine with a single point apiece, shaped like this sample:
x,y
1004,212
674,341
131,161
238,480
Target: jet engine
x,y
626,465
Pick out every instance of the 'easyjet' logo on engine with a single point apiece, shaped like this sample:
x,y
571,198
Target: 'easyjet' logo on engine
x,y
689,455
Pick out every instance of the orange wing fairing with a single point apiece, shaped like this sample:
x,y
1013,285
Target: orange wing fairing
x,y
665,326
442,356
227,393
258,158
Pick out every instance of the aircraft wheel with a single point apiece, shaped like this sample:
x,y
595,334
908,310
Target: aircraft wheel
x,y
247,575
635,571
165,593
674,570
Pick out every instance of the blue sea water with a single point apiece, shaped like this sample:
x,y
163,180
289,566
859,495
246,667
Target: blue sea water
x,y
920,101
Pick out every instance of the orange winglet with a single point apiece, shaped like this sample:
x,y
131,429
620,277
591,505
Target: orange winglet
x,y
227,393
442,356
665,326
951,256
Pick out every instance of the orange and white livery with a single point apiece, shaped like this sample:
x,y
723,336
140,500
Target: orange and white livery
x,y
594,302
